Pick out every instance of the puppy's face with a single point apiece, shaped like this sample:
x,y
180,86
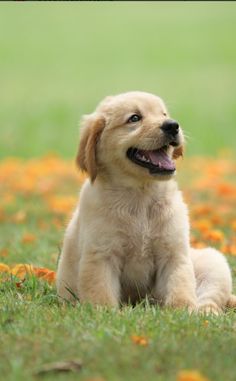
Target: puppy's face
x,y
132,133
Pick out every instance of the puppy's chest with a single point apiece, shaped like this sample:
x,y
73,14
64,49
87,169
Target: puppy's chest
x,y
142,230
140,236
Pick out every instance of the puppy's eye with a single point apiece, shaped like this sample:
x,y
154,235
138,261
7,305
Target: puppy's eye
x,y
134,118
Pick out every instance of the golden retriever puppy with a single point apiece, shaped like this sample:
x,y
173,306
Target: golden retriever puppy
x,y
129,237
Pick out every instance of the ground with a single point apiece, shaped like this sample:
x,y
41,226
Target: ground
x,y
37,197
57,62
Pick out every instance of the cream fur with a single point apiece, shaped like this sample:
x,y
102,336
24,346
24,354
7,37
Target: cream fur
x,y
129,236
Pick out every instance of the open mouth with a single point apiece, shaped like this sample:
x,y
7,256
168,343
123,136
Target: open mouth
x,y
156,161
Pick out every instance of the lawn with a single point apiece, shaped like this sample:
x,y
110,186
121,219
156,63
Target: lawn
x,y
57,61
37,197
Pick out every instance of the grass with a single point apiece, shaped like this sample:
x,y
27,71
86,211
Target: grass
x,y
57,62
101,340
36,329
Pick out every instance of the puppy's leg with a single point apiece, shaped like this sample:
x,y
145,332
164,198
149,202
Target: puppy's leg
x,y
175,284
214,282
99,281
67,277
67,272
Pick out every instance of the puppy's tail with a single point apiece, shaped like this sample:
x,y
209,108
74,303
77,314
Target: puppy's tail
x,y
231,302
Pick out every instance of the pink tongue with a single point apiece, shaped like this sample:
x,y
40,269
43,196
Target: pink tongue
x,y
159,157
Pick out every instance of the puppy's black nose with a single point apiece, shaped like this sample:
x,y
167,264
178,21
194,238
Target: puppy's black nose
x,y
170,127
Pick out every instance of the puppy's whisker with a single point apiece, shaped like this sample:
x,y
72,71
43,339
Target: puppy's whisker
x,y
187,136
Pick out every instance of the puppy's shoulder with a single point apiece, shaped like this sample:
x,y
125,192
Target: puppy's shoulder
x,y
91,198
88,194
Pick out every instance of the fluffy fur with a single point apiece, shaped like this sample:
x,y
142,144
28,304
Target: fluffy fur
x,y
129,236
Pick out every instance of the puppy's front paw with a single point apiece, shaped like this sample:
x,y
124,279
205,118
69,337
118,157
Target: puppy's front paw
x,y
183,304
209,308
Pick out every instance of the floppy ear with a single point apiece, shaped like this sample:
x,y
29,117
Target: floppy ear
x,y
92,127
179,151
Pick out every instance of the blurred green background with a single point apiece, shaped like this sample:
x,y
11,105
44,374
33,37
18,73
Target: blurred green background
x,y
59,59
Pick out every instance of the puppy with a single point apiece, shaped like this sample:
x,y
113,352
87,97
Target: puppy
x,y
129,237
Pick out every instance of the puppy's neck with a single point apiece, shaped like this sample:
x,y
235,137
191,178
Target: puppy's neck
x,y
132,185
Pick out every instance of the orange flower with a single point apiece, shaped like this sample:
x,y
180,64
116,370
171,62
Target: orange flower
x,y
202,225
226,189
7,199
233,225
211,194
190,375
202,209
43,225
50,277
198,245
28,238
2,215
139,340
4,252
57,223
61,204
4,268
214,235
46,274
216,219
22,270
229,248
19,217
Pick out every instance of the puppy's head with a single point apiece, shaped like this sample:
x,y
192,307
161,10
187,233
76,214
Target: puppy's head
x,y
132,134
